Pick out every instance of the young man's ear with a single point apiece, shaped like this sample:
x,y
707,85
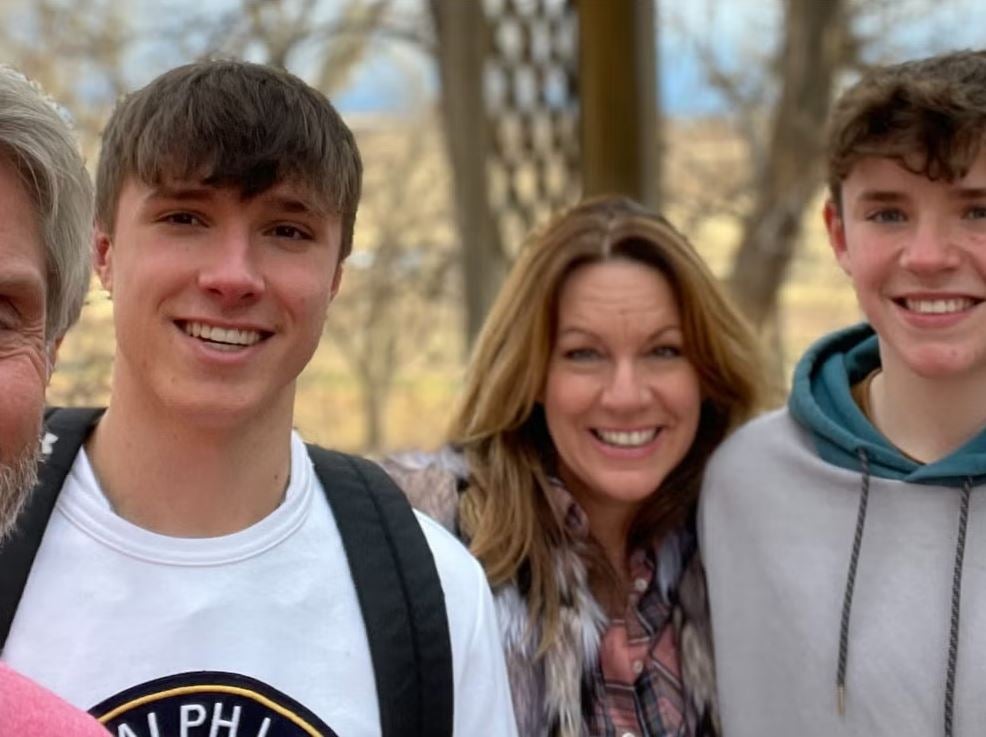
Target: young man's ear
x,y
102,257
336,282
837,234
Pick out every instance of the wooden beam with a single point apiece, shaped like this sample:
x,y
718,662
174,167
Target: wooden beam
x,y
618,97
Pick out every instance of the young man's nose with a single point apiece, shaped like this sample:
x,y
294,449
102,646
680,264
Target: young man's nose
x,y
231,271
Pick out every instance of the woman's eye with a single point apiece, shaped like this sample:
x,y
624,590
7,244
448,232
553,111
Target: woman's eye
x,y
666,351
581,354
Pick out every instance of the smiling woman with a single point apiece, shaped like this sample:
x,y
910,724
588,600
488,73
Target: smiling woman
x,y
610,367
621,400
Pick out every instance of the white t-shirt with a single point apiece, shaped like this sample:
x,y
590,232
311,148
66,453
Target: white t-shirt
x,y
253,634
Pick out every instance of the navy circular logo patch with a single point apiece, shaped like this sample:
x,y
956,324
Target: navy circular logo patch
x,y
207,704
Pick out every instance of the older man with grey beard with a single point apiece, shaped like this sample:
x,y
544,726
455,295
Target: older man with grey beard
x,y
45,230
17,477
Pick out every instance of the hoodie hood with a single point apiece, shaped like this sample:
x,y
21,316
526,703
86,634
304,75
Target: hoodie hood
x,y
821,400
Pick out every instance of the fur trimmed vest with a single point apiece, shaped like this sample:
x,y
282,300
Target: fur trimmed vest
x,y
548,691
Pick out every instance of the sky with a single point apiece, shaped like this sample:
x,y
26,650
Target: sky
x,y
739,35
731,31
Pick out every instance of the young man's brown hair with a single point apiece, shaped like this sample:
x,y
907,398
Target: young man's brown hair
x,y
929,115
231,124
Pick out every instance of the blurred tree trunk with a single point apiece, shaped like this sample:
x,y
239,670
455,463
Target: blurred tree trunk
x,y
618,99
463,40
816,44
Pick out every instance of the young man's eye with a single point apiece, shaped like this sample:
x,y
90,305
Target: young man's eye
x,y
887,215
291,232
181,218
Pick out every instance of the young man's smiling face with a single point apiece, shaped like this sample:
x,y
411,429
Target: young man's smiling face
x,y
218,300
916,252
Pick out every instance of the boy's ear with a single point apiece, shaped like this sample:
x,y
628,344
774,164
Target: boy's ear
x,y
836,229
102,257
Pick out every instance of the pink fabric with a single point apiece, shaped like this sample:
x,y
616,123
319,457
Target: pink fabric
x,y
28,710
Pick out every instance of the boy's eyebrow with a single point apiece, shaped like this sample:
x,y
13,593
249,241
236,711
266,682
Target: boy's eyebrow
x,y
971,193
881,195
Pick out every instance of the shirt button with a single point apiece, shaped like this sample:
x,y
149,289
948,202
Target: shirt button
x,y
640,584
638,666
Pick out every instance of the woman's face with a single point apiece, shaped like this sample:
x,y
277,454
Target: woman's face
x,y
621,400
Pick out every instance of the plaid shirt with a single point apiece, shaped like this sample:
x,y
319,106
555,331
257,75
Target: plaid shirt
x,y
636,686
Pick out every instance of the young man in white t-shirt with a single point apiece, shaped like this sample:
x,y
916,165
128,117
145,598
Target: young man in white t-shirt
x,y
192,579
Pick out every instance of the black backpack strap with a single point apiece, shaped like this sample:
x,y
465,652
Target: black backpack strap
x,y
399,592
70,426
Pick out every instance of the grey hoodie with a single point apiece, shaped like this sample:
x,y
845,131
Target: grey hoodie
x,y
832,556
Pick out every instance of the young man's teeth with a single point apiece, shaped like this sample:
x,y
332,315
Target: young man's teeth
x,y
938,306
230,336
627,439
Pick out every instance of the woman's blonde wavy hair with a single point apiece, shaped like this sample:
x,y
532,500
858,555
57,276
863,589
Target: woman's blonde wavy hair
x,y
499,423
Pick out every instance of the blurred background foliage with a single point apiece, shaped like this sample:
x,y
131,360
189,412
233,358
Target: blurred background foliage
x,y
477,119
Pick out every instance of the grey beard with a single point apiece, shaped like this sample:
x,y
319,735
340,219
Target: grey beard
x,y
17,479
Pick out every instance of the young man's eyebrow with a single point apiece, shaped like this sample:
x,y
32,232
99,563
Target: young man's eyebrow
x,y
293,205
167,192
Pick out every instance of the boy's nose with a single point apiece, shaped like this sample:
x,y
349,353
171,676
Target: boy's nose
x,y
930,249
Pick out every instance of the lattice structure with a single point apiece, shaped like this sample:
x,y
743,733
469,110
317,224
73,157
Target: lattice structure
x,y
532,109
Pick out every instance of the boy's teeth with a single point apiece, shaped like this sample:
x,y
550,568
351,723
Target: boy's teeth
x,y
938,306
230,336
627,438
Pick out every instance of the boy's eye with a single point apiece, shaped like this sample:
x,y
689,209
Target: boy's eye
x,y
887,215
975,212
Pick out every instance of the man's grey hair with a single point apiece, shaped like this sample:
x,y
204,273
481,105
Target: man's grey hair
x,y
39,143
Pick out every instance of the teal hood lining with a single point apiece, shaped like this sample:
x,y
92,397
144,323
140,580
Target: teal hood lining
x,y
821,400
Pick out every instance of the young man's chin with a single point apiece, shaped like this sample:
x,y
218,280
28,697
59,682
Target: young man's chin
x,y
231,408
17,478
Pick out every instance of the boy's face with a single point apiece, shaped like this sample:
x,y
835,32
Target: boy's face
x,y
218,301
916,252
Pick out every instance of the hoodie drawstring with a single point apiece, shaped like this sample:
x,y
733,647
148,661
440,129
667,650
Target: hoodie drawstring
x,y
953,634
857,541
